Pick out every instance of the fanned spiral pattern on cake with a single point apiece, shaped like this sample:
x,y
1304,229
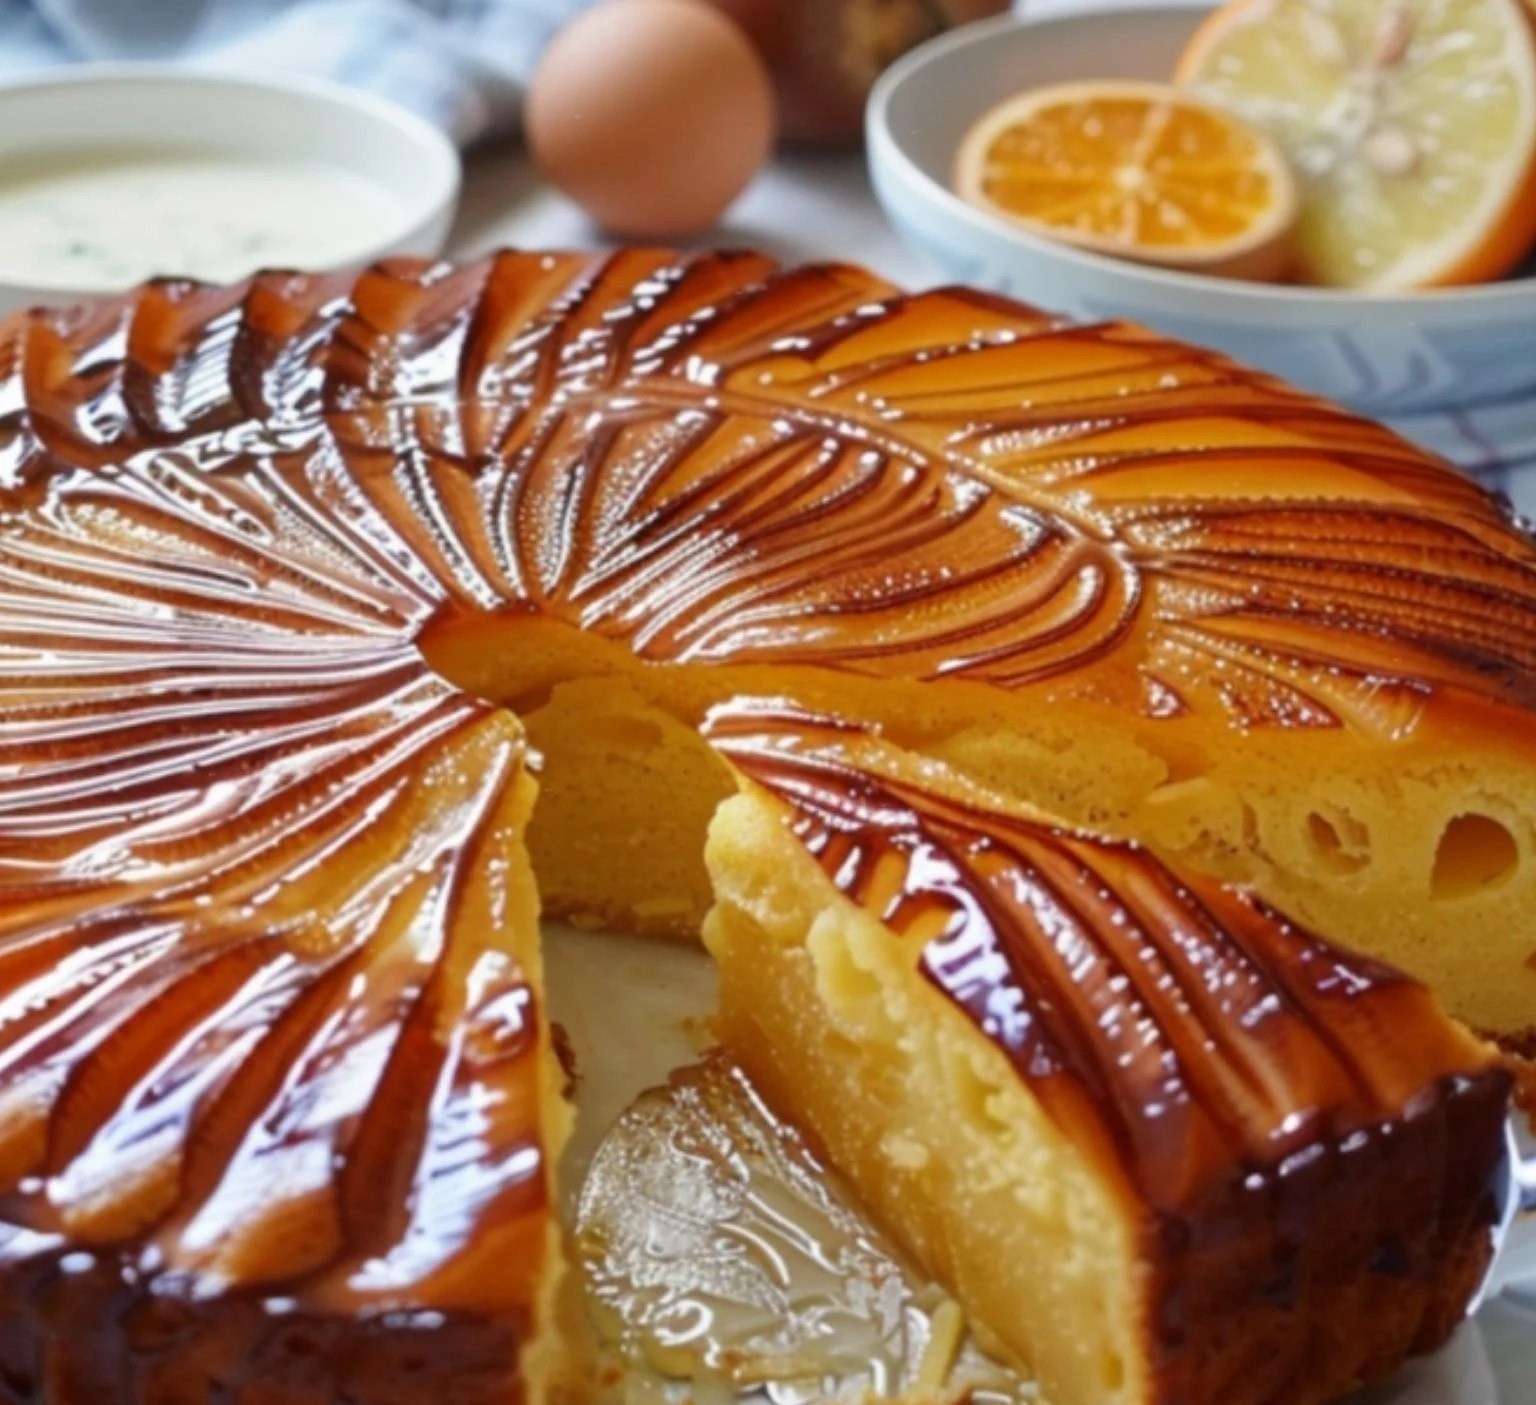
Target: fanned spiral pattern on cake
x,y
252,1008
717,461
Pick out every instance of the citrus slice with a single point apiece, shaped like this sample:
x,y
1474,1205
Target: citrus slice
x,y
1411,125
1140,170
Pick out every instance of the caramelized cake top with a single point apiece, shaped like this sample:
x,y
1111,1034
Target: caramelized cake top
x,y
717,461
247,978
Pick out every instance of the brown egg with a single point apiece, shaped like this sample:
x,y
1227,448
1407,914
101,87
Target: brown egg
x,y
651,114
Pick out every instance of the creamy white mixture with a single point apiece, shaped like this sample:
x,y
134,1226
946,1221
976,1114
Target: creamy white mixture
x,y
109,217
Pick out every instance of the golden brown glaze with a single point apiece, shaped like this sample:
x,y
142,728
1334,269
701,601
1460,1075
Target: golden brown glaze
x,y
717,461
1307,1132
256,1038
269,1086
260,1044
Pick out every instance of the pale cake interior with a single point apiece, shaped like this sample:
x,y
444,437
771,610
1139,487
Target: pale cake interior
x,y
832,1018
1421,853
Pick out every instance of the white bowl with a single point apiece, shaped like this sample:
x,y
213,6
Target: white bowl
x,y
1454,349
133,107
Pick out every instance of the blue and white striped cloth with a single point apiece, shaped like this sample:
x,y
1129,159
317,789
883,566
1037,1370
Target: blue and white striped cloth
x,y
459,63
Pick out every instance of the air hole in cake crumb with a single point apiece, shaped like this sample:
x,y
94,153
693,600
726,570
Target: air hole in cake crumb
x,y
848,982
853,994
1340,843
1475,852
973,1100
1114,1373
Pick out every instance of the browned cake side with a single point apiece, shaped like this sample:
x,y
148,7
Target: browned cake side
x,y
80,1329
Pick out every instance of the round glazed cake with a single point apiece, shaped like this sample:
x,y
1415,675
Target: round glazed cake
x,y
1123,746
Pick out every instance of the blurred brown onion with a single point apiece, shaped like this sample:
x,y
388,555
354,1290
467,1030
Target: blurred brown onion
x,y
826,54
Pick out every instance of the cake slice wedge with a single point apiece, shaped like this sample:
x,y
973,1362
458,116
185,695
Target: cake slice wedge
x,y
1163,1144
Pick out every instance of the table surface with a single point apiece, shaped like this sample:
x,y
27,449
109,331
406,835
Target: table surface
x,y
804,206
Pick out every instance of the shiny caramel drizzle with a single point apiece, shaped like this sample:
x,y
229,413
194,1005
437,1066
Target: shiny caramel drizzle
x,y
718,461
259,1039
248,938
1293,1120
247,975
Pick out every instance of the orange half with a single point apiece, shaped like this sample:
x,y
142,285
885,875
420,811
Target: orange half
x,y
1139,170
1411,125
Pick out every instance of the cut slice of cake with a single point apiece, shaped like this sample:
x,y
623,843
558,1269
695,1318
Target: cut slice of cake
x,y
1163,1144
